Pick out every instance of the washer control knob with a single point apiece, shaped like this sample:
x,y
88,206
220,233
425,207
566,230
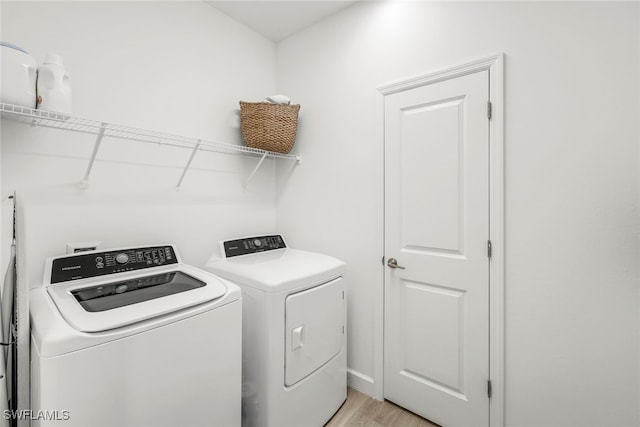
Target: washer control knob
x,y
257,243
122,258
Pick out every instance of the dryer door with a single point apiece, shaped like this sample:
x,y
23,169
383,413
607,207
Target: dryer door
x,y
314,329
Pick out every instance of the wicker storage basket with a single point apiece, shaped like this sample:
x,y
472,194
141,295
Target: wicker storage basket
x,y
269,126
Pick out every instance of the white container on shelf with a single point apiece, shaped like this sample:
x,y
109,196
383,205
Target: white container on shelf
x,y
18,71
54,85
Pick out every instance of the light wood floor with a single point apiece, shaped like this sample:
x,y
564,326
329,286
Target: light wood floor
x,y
361,410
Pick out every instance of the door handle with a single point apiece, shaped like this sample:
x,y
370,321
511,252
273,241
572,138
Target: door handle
x,y
297,338
393,263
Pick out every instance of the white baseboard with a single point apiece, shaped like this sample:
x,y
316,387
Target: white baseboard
x,y
360,382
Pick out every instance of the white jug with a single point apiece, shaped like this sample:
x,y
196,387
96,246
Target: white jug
x,y
54,85
18,71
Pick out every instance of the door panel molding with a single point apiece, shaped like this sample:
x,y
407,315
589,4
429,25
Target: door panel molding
x,y
495,65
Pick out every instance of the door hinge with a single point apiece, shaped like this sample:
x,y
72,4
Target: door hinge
x,y
383,260
489,389
489,248
489,109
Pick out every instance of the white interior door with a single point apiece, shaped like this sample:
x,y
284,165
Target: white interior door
x,y
436,337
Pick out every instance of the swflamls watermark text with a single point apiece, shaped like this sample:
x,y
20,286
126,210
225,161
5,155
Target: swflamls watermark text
x,y
39,415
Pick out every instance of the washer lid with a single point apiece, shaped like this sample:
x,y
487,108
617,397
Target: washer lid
x,y
94,305
278,270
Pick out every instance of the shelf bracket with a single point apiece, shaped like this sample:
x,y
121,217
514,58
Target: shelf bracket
x,y
85,181
264,156
186,168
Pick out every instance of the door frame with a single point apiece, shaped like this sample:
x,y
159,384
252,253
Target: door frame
x,y
495,65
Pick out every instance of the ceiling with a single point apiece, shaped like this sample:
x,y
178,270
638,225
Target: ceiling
x,y
277,20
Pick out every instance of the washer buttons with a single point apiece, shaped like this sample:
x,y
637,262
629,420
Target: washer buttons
x,y
122,258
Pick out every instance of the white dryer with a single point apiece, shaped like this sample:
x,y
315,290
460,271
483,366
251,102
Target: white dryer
x,y
293,331
134,337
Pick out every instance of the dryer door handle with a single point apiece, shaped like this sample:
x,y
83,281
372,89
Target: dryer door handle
x,y
297,338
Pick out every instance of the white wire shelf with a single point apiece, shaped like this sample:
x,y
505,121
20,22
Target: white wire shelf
x,y
50,119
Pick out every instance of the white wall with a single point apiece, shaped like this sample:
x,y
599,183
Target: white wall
x,y
571,136
177,67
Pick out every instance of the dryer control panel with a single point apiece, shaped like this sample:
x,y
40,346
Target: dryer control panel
x,y
93,264
252,245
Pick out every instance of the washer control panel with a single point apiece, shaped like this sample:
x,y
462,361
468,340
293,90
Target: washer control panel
x,y
252,245
84,265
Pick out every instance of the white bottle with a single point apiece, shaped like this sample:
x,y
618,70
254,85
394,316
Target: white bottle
x,y
54,85
17,76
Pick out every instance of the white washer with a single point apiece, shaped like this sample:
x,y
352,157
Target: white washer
x,y
294,331
134,337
